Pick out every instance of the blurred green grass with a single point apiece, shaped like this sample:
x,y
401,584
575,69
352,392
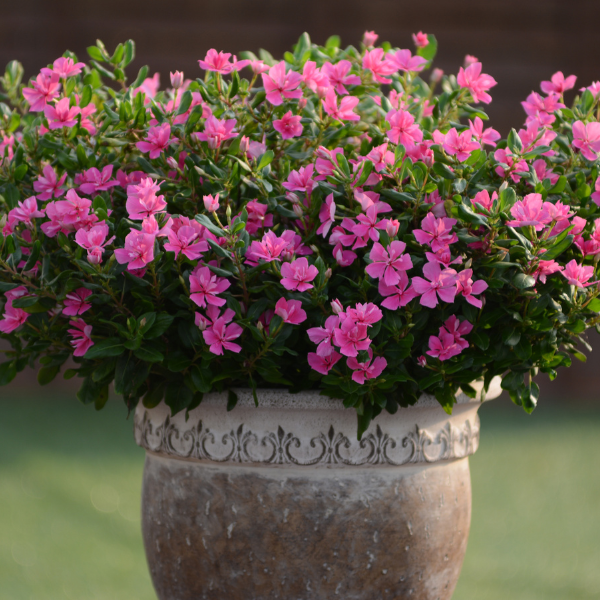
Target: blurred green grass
x,y
70,484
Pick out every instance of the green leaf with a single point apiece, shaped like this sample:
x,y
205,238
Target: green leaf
x,y
95,53
506,198
47,374
161,324
186,101
333,41
201,379
8,371
105,349
594,305
154,396
265,159
559,248
214,229
149,354
514,142
90,391
235,84
443,171
232,400
480,339
219,250
523,282
178,397
302,47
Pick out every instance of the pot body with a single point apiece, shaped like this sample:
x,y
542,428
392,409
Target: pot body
x,y
282,501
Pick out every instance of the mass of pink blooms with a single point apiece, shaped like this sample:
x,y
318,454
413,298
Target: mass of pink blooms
x,y
337,203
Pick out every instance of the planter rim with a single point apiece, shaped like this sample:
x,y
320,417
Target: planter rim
x,y
280,398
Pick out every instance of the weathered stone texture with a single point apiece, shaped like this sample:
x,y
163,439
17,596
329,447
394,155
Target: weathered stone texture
x,y
254,533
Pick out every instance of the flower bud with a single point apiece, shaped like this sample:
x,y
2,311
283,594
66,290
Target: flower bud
x,y
298,210
95,255
244,144
260,326
336,307
211,204
227,211
293,198
369,38
177,79
470,59
328,274
314,249
436,75
392,227
172,163
322,152
302,103
422,361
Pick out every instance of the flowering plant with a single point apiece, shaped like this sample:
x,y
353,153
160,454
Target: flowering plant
x,y
326,222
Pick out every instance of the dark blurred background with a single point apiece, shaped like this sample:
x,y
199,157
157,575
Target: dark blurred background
x,y
520,43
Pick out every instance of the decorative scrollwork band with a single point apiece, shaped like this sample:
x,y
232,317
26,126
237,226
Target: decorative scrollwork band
x,y
281,447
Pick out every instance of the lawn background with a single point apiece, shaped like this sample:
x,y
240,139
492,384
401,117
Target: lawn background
x,y
70,485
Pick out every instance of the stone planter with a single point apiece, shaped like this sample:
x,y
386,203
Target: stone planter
x,y
282,501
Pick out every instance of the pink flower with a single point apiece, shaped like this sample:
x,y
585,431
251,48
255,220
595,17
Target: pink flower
x,y
132,178
212,314
327,215
420,39
216,131
436,233
205,285
219,337
269,248
258,67
457,328
545,268
351,337
530,211
323,364
49,185
138,250
440,283
182,241
369,38
368,369
26,211
93,240
397,295
484,200
159,139
93,181
61,115
219,62
380,66
257,217
489,136
314,78
211,204
558,83
290,311
142,200
596,195
403,130
298,275
460,145
149,87
289,125
367,313
44,89
405,61
443,347
505,157
345,110
13,317
540,110
543,172
367,228
388,263
578,275
476,82
64,67
437,204
301,180
468,288
75,302
323,336
381,157
338,76
586,137
279,84
81,334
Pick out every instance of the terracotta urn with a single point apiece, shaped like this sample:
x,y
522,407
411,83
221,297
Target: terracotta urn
x,y
282,501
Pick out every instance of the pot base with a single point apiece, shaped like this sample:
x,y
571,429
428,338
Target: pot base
x,y
256,533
